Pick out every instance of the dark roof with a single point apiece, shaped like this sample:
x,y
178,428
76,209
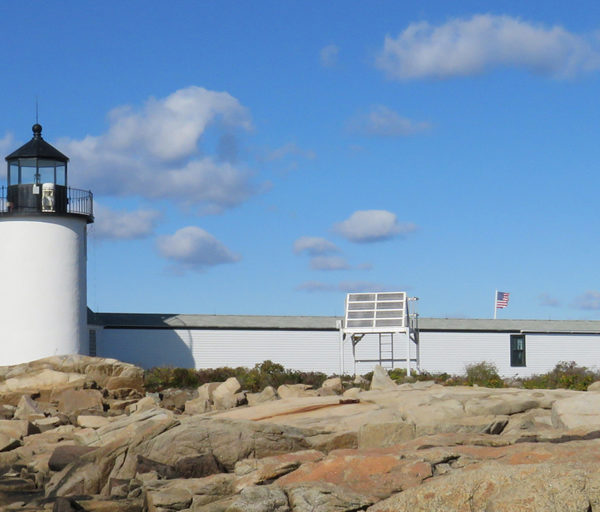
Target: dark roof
x,y
329,323
38,148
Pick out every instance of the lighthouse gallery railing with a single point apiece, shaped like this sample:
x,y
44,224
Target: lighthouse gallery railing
x,y
79,202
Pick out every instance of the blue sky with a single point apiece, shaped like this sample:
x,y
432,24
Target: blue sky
x,y
268,157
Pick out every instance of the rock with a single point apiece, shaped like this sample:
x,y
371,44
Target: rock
x,y
145,465
130,378
378,435
261,471
577,411
18,428
265,498
28,409
198,466
224,395
76,401
267,394
50,423
498,487
7,411
295,391
594,386
92,421
326,497
144,404
8,443
326,392
40,380
114,454
359,380
64,455
352,393
334,383
381,380
197,406
178,494
228,440
206,391
175,399
361,471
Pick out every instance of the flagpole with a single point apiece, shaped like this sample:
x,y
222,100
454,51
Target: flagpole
x,y
495,308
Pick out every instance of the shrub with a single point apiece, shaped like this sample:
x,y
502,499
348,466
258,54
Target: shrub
x,y
254,379
567,375
483,374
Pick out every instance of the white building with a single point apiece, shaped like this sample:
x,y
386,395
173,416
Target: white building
x,y
517,347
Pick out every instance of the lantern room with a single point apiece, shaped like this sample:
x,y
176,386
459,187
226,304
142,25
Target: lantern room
x,y
37,182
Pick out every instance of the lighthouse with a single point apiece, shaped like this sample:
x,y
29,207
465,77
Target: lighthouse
x,y
43,253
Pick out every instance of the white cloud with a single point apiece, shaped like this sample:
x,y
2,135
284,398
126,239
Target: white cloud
x,y
546,299
365,226
589,300
153,152
315,246
483,42
382,121
316,286
344,287
291,149
361,286
192,248
329,55
124,224
328,263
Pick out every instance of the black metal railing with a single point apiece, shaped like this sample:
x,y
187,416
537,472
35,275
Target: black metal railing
x,y
78,202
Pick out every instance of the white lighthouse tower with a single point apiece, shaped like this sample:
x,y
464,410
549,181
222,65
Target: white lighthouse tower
x,y
43,228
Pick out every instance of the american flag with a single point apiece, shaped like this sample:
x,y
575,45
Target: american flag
x,y
501,300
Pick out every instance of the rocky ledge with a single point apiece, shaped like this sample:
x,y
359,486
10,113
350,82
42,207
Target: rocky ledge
x,y
80,434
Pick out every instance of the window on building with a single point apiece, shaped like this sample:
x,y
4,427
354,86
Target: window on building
x,y
92,342
517,350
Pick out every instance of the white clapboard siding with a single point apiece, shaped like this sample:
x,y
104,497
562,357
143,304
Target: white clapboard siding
x,y
543,351
450,352
198,348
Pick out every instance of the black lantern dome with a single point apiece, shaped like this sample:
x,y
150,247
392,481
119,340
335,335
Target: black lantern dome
x,y
36,181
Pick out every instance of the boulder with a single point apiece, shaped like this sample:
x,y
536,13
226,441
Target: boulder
x,y
577,411
45,379
76,401
228,440
92,421
264,498
379,435
197,406
17,428
334,383
179,494
381,380
352,393
8,443
143,404
325,496
28,409
362,472
499,487
206,391
224,396
259,471
64,455
594,386
295,391
175,399
265,395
